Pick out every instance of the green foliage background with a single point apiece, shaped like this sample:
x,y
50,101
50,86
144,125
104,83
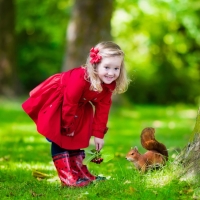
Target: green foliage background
x,y
160,38
41,38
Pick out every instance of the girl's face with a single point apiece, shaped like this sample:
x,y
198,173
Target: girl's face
x,y
109,68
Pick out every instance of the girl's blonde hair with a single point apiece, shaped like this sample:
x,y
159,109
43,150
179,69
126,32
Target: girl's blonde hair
x,y
107,49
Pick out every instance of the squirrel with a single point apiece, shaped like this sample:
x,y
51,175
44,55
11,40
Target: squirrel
x,y
154,158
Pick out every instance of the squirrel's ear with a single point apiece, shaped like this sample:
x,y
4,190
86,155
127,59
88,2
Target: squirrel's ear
x,y
135,148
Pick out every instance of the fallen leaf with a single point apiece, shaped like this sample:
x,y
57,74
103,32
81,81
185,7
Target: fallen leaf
x,y
39,175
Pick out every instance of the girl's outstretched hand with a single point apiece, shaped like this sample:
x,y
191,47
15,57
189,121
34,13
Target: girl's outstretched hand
x,y
70,134
98,143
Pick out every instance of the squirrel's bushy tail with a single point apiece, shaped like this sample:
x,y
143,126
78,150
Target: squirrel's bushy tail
x,y
149,142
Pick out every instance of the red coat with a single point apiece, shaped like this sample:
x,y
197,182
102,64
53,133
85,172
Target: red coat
x,y
65,100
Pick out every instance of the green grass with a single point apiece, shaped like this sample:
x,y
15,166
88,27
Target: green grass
x,y
23,150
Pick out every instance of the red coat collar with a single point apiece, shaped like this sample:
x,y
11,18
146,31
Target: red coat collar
x,y
110,86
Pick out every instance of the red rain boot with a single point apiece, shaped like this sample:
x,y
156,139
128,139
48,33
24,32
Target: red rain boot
x,y
65,173
76,161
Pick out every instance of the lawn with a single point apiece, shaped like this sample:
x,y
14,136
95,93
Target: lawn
x,y
23,150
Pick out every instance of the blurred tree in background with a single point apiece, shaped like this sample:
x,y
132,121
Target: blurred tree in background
x,y
160,39
8,75
89,24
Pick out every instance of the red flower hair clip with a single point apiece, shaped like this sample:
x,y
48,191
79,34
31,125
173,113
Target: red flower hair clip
x,y
95,57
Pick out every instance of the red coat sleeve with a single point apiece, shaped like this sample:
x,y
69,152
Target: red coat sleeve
x,y
72,94
102,109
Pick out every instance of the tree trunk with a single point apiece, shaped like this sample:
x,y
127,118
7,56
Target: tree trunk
x,y
190,156
8,78
90,24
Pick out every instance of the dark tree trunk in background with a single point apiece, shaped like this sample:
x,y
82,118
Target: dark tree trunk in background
x,y
8,83
90,24
190,156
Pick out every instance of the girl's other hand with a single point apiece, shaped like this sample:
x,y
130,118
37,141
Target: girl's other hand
x,y
70,134
98,143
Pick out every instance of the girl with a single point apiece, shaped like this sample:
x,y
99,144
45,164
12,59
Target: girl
x,y
70,107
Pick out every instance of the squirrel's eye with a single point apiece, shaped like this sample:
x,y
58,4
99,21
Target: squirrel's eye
x,y
132,154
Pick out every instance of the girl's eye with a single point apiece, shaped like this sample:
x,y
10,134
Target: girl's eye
x,y
106,67
116,68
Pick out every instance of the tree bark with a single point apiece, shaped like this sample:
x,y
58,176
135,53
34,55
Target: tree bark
x,y
190,155
90,24
8,80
